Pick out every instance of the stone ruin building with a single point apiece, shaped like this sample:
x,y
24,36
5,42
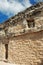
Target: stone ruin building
x,y
21,37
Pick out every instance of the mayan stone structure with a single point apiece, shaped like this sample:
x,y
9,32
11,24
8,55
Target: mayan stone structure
x,y
21,37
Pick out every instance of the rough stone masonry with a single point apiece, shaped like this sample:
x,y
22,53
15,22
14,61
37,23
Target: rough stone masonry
x,y
21,37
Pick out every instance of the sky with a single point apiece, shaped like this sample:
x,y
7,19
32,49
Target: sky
x,y
9,8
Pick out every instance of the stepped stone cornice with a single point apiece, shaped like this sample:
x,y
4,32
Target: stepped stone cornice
x,y
15,25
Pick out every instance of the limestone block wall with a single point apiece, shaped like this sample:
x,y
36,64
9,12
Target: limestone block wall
x,y
2,51
26,49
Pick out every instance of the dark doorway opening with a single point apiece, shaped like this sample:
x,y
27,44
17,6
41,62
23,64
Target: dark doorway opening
x,y
6,51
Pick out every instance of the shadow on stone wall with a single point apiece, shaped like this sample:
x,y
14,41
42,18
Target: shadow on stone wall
x,y
41,63
32,36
